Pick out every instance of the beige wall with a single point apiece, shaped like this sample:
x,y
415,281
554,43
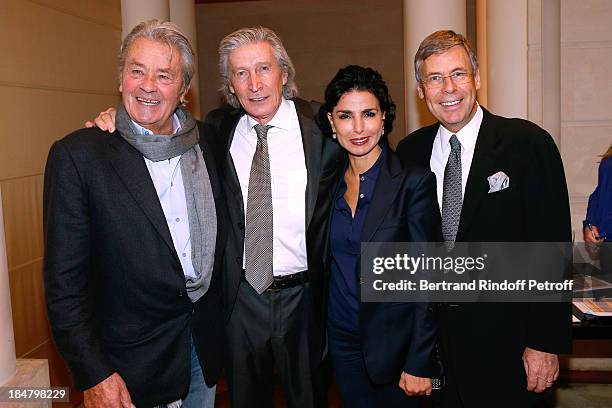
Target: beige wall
x,y
58,69
586,96
321,36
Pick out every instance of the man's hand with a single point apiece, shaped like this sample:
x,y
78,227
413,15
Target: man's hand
x,y
415,385
110,393
542,369
105,120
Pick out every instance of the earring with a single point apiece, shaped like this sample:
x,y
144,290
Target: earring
x,y
334,135
383,131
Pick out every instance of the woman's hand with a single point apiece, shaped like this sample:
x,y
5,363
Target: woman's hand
x,y
413,385
592,240
591,235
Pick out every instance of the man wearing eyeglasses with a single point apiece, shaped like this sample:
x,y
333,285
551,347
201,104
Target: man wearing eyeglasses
x,y
499,180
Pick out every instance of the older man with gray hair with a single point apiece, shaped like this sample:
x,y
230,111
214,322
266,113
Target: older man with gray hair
x,y
501,355
279,169
133,227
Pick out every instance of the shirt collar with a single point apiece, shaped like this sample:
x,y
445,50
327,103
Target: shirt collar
x,y
285,117
176,126
367,182
467,135
372,172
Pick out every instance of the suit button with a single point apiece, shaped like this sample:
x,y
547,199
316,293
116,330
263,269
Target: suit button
x,y
241,225
239,260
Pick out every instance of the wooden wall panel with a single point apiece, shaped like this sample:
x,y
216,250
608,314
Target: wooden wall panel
x,y
57,50
28,305
35,119
320,36
59,68
22,206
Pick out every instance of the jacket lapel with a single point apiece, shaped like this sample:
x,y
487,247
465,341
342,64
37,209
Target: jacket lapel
x,y
386,189
132,170
227,130
332,196
417,148
477,187
312,140
228,127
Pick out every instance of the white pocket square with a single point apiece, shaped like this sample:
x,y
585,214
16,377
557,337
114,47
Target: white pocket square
x,y
498,181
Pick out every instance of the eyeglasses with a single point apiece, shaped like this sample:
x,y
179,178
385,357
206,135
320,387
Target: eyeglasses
x,y
437,81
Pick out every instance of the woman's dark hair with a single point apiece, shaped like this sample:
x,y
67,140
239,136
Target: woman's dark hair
x,y
357,78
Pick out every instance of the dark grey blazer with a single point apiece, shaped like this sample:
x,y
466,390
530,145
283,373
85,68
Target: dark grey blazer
x,y
114,285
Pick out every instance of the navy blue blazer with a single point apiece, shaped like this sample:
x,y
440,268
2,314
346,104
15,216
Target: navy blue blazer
x,y
400,337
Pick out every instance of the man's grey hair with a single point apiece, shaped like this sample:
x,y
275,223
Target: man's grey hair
x,y
439,42
167,33
254,35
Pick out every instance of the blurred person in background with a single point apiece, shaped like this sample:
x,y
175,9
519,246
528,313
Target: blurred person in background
x,y
597,227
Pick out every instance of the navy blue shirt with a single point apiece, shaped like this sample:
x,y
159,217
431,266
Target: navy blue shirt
x,y
599,212
345,244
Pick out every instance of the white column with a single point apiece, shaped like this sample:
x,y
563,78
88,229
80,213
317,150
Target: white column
x,y
7,339
421,18
481,50
507,57
182,13
136,11
551,68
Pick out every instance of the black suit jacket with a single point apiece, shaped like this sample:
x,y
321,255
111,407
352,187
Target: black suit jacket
x,y
114,285
483,344
323,161
400,337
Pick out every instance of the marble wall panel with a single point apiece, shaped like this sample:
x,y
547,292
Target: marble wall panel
x,y
586,87
586,20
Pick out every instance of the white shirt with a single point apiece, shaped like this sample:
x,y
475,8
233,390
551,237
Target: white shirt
x,y
441,150
168,181
288,181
